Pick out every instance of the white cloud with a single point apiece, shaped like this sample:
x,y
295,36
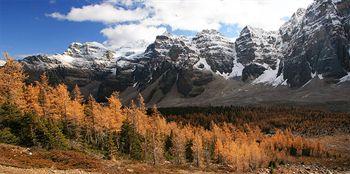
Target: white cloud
x,y
123,2
210,14
105,12
194,15
121,35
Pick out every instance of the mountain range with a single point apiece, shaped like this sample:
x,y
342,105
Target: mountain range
x,y
307,61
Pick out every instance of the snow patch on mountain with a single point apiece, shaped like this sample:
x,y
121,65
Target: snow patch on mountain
x,y
270,77
65,60
122,63
131,50
313,75
320,76
345,78
237,69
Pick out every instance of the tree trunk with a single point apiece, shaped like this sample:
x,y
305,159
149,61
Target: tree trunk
x,y
154,148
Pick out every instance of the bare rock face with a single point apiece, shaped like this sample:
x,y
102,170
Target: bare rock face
x,y
169,62
316,43
217,50
254,45
257,50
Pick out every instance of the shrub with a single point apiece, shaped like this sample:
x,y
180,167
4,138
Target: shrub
x,y
272,164
306,152
30,130
10,117
7,137
293,151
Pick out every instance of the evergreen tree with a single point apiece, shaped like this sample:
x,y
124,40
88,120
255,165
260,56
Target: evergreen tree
x,y
168,146
130,141
189,152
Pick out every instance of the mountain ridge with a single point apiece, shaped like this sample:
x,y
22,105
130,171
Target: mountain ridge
x,y
313,43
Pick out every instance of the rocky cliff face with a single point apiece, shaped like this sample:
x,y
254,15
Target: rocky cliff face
x,y
216,50
257,50
314,43
169,62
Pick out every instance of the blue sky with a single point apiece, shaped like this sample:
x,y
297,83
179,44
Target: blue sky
x,y
24,28
49,26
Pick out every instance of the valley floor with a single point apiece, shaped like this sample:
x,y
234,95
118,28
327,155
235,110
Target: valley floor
x,y
19,160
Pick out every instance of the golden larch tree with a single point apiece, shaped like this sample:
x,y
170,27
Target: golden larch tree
x,y
12,83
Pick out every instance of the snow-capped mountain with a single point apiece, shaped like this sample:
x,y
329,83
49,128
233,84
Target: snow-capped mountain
x,y
215,50
258,51
318,43
314,43
89,55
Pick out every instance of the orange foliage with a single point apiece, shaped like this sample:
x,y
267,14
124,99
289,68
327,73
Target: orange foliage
x,y
12,83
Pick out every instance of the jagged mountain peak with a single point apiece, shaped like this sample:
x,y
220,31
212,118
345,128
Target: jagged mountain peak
x,y
299,12
292,24
210,37
88,55
216,51
254,31
317,45
208,32
165,36
255,45
314,42
88,50
86,46
295,18
167,45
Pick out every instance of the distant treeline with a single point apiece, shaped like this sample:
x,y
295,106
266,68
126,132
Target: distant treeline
x,y
299,119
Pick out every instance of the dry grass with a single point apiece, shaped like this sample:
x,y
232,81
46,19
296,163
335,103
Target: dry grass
x,y
37,158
